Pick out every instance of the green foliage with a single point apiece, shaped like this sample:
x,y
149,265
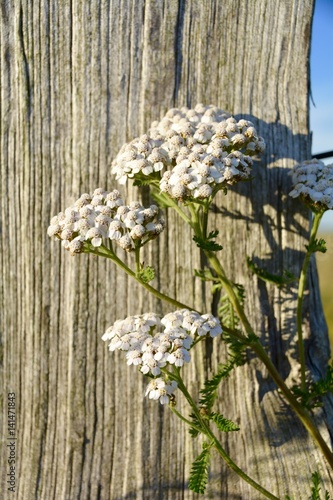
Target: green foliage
x,y
223,424
315,490
208,243
162,200
193,431
279,280
199,471
313,396
209,392
146,274
226,310
235,353
325,266
317,246
205,275
151,180
142,182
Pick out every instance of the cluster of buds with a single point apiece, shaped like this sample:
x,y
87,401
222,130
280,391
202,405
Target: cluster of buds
x,y
101,217
200,175
195,151
152,343
313,183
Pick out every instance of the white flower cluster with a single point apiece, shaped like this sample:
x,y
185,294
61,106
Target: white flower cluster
x,y
152,343
313,182
200,174
103,216
158,388
199,149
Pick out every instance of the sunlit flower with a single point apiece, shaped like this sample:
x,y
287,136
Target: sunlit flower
x,y
313,183
161,390
204,148
102,217
152,343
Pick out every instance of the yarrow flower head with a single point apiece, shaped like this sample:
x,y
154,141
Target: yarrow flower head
x,y
313,183
195,151
95,219
152,343
162,390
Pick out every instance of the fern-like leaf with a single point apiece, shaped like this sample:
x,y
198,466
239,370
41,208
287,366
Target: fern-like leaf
x,y
223,424
199,471
226,310
209,393
208,243
312,397
315,490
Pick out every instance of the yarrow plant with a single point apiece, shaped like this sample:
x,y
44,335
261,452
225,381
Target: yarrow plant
x,y
94,220
196,151
153,343
313,183
185,159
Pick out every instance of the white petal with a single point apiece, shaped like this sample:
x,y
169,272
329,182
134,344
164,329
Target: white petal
x,y
96,242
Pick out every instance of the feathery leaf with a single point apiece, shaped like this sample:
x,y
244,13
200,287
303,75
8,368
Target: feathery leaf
x,y
199,471
223,424
208,243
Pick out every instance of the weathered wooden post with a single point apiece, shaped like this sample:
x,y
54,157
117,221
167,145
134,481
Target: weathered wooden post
x,y
79,78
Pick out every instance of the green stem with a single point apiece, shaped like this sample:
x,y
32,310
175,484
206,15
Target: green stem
x,y
188,422
137,259
205,218
300,296
216,265
301,412
103,251
263,356
169,202
179,211
195,222
253,339
207,431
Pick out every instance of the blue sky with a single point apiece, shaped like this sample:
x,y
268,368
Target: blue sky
x,y
321,66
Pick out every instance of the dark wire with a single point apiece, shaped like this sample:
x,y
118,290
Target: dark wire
x,y
320,156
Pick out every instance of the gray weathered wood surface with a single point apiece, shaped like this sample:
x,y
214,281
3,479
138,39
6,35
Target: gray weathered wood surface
x,y
78,78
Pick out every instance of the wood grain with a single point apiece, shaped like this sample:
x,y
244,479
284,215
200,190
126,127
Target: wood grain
x,y
78,79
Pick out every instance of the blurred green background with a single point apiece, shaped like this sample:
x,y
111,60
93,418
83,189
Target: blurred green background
x,y
325,268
